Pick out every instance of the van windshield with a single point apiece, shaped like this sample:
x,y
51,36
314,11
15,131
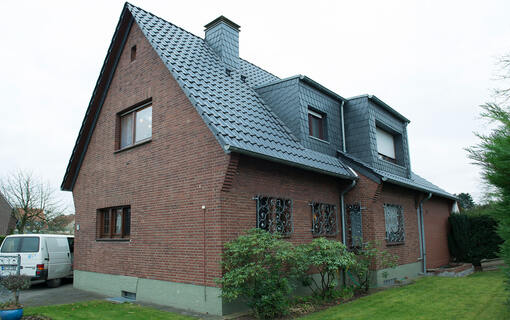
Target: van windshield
x,y
20,244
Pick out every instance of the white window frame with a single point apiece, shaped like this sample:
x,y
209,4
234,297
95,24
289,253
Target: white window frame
x,y
385,143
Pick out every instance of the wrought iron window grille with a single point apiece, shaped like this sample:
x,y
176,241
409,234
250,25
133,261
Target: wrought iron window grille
x,y
394,219
324,219
274,214
356,223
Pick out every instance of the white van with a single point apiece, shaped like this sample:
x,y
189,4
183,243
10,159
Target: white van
x,y
44,257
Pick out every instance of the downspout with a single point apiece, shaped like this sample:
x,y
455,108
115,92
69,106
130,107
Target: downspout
x,y
423,247
344,149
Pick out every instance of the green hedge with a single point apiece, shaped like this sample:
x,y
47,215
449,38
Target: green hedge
x,y
473,238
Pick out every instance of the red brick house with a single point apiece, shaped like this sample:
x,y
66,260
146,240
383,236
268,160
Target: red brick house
x,y
185,145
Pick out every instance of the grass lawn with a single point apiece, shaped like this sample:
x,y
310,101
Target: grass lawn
x,y
102,310
478,296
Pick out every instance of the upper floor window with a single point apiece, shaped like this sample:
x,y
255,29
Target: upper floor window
x,y
385,144
114,222
135,126
316,124
274,214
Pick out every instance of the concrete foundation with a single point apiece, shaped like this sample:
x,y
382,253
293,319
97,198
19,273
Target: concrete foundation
x,y
166,293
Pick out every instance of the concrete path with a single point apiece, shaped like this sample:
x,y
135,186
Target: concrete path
x,y
41,295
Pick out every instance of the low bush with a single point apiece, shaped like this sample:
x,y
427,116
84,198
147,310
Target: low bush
x,y
472,238
258,269
328,258
366,255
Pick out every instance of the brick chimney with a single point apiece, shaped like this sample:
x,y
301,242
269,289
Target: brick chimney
x,y
223,37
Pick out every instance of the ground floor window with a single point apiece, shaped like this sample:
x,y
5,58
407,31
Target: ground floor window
x,y
356,224
394,219
324,219
274,214
114,222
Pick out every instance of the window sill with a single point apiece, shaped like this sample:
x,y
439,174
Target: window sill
x,y
139,143
113,240
318,139
391,244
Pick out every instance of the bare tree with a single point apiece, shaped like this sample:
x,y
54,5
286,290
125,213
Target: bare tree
x,y
33,201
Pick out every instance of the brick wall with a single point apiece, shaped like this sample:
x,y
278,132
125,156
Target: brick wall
x,y
166,181
372,197
436,212
259,177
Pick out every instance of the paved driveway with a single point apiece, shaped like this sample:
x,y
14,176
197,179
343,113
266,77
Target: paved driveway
x,y
40,294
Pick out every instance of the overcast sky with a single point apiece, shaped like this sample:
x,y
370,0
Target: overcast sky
x,y
433,61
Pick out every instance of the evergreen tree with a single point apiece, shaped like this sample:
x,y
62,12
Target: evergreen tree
x,y
465,201
493,155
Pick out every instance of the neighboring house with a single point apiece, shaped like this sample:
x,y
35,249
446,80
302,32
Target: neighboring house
x,y
65,223
6,219
185,145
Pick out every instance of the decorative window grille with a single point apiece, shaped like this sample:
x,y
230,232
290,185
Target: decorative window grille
x,y
274,214
356,224
324,219
394,218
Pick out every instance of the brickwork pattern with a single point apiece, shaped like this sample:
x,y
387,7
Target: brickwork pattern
x,y
166,181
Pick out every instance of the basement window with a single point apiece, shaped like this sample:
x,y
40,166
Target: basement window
x,y
114,223
274,214
324,219
385,144
136,126
394,220
316,124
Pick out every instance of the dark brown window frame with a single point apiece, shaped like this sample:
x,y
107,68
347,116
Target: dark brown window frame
x,y
312,114
131,111
106,231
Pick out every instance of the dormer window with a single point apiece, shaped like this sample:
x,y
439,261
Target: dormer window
x,y
316,121
385,144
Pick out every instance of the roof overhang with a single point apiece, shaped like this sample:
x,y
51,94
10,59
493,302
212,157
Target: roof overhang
x,y
377,177
230,148
97,99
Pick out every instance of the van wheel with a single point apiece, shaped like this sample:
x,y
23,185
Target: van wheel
x,y
53,283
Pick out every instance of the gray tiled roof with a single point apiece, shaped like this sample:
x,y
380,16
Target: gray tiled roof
x,y
414,182
230,106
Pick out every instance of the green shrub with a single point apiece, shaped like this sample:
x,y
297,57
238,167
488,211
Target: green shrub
x,y
15,283
258,269
328,258
366,255
472,238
